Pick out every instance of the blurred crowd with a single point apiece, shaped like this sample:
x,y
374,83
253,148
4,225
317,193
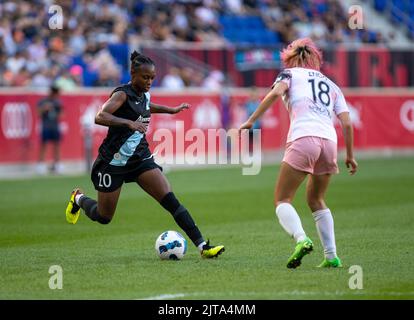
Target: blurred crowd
x,y
33,54
325,21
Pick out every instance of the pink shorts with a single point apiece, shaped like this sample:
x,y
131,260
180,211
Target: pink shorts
x,y
313,155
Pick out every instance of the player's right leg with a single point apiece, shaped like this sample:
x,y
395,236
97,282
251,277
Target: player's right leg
x,y
287,184
108,186
101,211
73,209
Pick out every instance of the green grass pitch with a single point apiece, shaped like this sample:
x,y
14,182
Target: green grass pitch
x,y
373,212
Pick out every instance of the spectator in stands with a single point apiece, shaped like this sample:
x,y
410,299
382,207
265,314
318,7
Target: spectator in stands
x,y
50,110
109,72
107,77
41,79
234,6
27,42
214,81
251,6
3,69
66,82
173,80
191,77
21,79
16,63
76,72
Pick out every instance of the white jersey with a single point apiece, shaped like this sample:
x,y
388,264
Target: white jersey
x,y
311,100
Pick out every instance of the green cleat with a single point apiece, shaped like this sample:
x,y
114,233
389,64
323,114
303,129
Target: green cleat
x,y
302,249
334,263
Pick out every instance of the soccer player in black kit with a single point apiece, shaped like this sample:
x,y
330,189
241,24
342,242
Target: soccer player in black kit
x,y
124,156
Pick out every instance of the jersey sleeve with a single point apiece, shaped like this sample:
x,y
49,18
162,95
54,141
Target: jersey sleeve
x,y
148,100
340,104
284,76
120,88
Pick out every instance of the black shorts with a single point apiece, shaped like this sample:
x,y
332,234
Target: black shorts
x,y
108,178
50,135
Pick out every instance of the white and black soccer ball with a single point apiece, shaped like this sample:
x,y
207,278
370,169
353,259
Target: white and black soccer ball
x,y
171,245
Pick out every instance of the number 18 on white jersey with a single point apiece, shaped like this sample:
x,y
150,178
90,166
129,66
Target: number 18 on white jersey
x,y
311,101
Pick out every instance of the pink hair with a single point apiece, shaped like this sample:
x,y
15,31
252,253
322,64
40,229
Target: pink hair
x,y
302,53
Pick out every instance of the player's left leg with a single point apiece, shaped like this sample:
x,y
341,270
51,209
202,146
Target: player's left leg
x,y
56,156
316,189
41,165
156,185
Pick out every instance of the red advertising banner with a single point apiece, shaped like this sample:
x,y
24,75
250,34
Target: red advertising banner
x,y
382,119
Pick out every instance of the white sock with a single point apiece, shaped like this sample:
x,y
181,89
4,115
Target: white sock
x,y
77,198
290,221
200,246
325,226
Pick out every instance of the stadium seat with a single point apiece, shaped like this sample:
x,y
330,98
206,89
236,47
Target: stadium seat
x,y
79,61
120,52
380,5
244,30
125,77
255,23
89,77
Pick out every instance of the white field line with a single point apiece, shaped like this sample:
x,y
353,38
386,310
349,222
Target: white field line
x,y
281,294
164,297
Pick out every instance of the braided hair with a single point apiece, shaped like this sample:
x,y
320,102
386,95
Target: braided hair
x,y
138,59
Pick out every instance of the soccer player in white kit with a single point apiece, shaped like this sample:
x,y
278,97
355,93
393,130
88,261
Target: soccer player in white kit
x,y
311,100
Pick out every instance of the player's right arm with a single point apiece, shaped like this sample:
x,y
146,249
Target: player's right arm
x,y
277,90
105,116
43,106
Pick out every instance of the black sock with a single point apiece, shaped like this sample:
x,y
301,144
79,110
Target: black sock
x,y
90,207
182,217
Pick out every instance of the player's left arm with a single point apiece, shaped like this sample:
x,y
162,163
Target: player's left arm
x,y
156,108
342,112
277,90
59,109
348,133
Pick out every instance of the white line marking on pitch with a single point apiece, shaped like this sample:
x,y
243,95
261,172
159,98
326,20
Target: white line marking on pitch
x,y
165,296
287,293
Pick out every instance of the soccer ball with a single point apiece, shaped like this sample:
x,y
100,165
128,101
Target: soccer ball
x,y
171,245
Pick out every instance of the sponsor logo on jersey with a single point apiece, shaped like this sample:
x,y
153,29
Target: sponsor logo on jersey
x,y
142,119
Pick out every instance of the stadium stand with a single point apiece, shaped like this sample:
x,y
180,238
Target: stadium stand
x,y
92,48
399,12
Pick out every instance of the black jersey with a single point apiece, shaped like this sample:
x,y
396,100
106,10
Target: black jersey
x,y
122,146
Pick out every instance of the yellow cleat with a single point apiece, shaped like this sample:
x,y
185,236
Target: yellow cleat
x,y
211,251
73,210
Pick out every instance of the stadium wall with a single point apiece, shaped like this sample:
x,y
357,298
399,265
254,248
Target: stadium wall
x,y
383,119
